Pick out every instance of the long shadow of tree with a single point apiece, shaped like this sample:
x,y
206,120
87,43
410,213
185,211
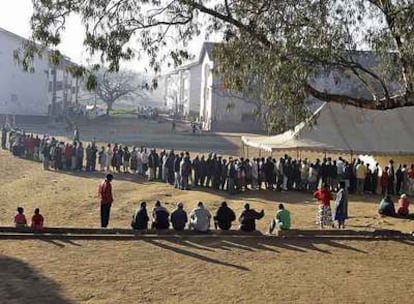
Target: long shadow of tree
x,y
20,284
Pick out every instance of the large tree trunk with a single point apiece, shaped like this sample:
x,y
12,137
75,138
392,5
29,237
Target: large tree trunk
x,y
108,107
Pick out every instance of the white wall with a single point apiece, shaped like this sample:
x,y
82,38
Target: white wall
x,y
21,93
195,88
206,105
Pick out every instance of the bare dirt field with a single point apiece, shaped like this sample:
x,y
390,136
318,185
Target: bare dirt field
x,y
190,269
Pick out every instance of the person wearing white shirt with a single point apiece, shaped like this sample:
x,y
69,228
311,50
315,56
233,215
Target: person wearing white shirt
x,y
200,218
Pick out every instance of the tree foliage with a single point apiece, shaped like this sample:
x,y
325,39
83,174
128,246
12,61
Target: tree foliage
x,y
276,47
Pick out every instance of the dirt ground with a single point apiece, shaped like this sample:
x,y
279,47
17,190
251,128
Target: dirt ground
x,y
188,269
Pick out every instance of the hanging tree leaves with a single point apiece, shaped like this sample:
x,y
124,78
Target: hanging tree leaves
x,y
273,49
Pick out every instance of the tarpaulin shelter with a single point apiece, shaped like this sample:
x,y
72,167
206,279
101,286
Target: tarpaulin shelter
x,y
335,128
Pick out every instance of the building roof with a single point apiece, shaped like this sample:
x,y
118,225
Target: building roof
x,y
65,58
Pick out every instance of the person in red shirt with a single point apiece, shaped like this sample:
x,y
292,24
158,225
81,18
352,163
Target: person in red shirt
x,y
105,195
324,198
384,181
20,218
37,220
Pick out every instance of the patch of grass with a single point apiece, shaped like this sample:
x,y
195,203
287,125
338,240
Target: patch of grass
x,y
123,112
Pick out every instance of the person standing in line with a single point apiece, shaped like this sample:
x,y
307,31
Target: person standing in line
x,y
384,181
106,198
361,173
102,159
391,175
108,157
341,206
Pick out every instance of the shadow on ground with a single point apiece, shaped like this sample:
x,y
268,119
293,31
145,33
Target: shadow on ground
x,y
21,284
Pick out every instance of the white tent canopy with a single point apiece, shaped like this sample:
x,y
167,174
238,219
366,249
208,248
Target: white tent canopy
x,y
346,129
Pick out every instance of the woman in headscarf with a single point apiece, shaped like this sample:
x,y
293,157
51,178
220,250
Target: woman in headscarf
x,y
324,197
341,206
403,205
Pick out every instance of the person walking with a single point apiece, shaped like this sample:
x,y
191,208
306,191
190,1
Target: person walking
x,y
105,195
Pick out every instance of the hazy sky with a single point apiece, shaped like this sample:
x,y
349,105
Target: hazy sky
x,y
15,17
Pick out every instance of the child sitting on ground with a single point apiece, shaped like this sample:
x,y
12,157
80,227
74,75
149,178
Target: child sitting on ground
x,y
20,218
37,220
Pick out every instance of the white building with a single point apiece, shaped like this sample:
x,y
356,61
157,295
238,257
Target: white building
x,y
32,93
182,87
220,108
195,90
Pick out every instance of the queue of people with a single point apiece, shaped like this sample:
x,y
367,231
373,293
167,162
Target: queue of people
x,y
212,171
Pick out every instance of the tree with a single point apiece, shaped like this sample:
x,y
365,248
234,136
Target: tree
x,y
111,86
285,43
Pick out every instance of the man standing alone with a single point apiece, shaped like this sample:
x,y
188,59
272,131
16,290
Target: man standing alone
x,y
105,194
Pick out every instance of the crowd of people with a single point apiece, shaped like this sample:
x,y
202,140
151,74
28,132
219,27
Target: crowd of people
x,y
321,177
212,171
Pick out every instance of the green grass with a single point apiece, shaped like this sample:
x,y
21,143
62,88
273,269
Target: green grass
x,y
122,112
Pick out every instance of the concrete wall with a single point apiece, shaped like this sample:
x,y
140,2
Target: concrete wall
x,y
222,109
30,94
21,93
195,88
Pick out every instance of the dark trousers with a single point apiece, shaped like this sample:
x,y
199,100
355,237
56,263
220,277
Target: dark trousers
x,y
105,213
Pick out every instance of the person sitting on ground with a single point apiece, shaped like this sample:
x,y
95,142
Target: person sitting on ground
x,y
282,220
248,218
37,220
200,218
20,218
224,217
386,207
140,218
160,217
179,218
403,205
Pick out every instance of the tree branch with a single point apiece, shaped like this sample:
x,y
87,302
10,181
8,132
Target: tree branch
x,y
393,102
